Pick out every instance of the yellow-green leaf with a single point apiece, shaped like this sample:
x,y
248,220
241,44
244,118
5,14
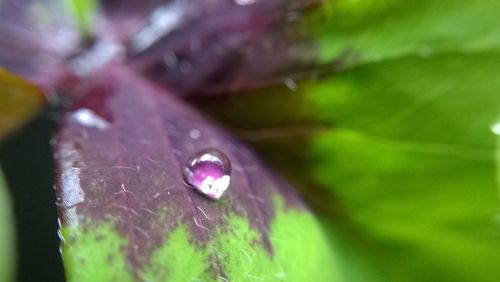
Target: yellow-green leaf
x,y
19,101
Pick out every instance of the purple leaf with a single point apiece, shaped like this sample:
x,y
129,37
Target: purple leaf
x,y
35,36
212,46
120,155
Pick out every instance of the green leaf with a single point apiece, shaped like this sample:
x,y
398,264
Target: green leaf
x,y
402,145
407,149
384,29
84,13
19,102
7,241
412,159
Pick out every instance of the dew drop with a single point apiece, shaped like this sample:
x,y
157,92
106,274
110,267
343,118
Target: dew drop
x,y
245,2
88,118
291,84
195,134
208,171
495,128
162,21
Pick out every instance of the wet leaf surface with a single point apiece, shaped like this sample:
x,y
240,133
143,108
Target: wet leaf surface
x,y
127,214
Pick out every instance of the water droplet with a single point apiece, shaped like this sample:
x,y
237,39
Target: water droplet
x,y
245,2
291,84
162,21
208,171
101,53
88,118
495,128
195,134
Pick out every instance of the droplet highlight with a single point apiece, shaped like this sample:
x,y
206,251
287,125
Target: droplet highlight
x,y
495,128
88,118
209,172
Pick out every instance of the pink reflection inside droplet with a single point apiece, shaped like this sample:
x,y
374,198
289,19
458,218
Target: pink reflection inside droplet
x,y
208,172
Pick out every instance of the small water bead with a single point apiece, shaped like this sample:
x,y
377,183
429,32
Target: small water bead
x,y
209,172
195,134
88,118
495,128
291,84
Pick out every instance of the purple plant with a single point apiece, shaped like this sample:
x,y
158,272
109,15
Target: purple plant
x,y
382,116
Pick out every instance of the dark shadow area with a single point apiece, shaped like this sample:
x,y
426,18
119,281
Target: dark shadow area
x,y
26,159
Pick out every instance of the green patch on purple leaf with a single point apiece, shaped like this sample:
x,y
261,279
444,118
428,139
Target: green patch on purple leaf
x,y
94,254
300,253
300,249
